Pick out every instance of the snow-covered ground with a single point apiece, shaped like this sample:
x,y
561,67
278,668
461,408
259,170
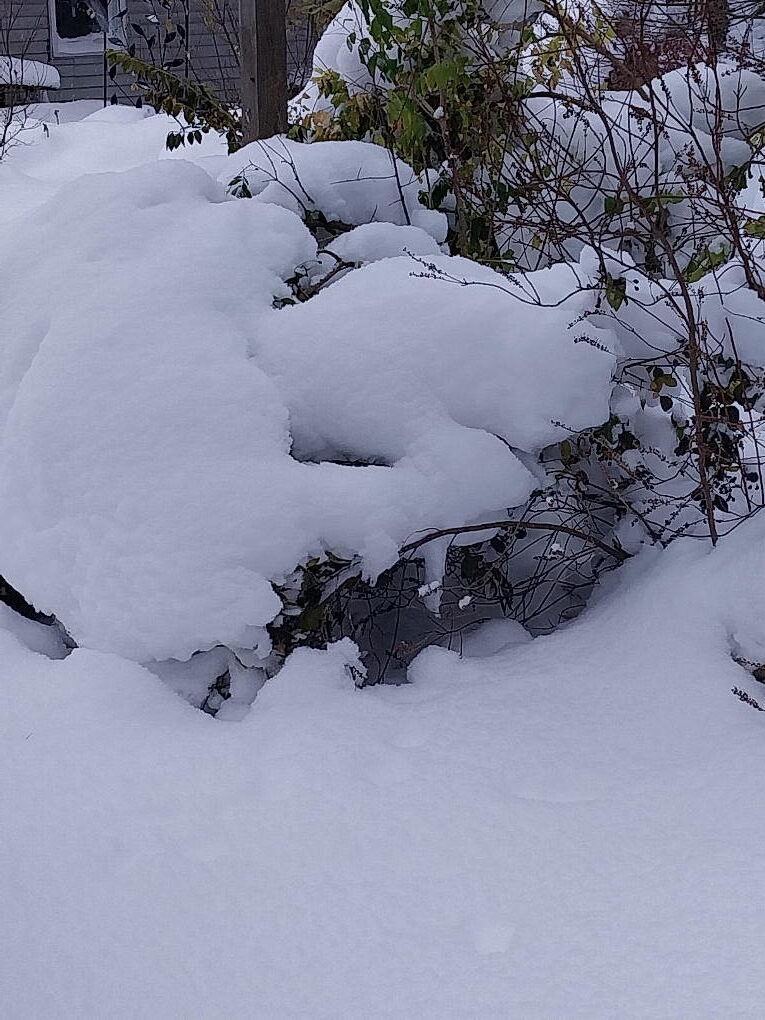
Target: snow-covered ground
x,y
570,827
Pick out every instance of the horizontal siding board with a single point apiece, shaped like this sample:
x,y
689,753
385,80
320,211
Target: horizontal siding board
x,y
24,13
34,50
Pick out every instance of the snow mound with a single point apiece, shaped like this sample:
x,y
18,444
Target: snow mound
x,y
128,405
371,242
497,363
156,410
348,182
31,73
106,139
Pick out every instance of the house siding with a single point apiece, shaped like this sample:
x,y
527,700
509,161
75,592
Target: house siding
x,y
82,76
24,29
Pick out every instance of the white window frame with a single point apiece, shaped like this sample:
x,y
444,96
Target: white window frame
x,y
87,45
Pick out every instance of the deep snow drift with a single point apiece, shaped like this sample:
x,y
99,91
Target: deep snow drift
x,y
570,827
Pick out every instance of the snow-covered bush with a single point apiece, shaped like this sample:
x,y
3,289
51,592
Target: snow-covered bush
x,y
328,426
337,185
176,440
505,111
651,191
533,130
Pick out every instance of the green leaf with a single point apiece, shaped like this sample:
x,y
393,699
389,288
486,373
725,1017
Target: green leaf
x,y
704,262
616,291
755,228
613,205
440,75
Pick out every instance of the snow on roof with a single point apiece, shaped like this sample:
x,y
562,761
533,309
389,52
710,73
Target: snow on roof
x,y
19,71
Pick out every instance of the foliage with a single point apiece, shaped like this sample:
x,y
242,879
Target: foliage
x,y
159,61
194,105
433,100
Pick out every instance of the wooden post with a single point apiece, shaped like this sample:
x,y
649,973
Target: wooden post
x,y
263,56
718,24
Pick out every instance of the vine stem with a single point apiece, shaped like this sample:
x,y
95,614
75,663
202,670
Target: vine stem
x,y
618,554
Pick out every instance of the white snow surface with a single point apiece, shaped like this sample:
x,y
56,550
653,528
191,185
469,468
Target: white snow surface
x,y
160,421
568,829
371,242
348,182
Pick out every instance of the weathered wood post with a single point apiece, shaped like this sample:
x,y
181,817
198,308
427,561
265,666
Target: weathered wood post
x,y
263,46
718,17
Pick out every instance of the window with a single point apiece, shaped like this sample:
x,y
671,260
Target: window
x,y
77,26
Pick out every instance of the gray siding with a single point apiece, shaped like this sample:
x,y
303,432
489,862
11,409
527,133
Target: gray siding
x,y
25,31
24,28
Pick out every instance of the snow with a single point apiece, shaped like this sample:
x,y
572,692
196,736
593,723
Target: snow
x,y
335,52
348,182
20,193
390,389
371,242
171,444
32,73
609,152
65,112
106,139
564,826
569,828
